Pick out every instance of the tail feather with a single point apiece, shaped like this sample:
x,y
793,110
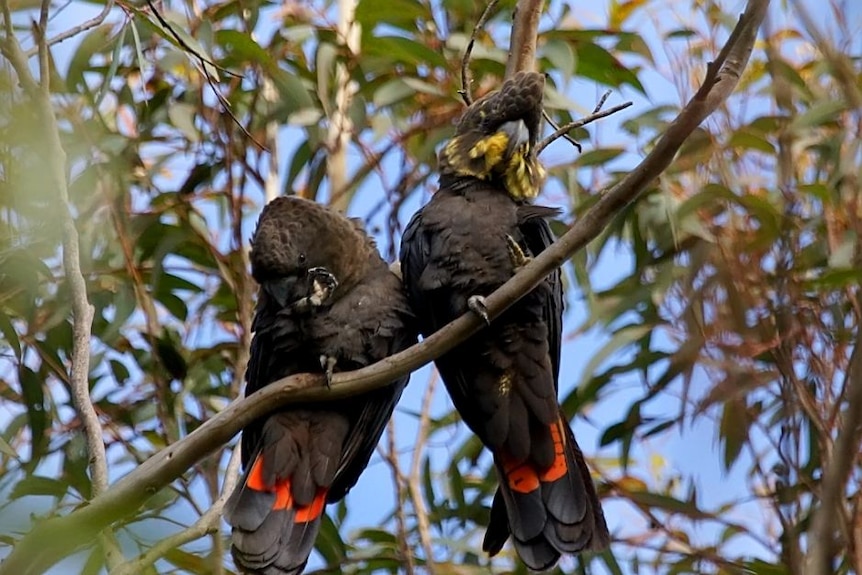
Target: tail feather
x,y
498,526
271,533
548,511
523,498
538,554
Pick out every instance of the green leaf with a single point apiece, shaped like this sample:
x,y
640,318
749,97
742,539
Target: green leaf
x,y
10,335
667,503
94,42
818,114
293,93
561,56
599,156
620,339
329,543
624,432
192,562
760,567
423,86
398,13
116,55
143,64
34,399
596,63
733,429
38,485
391,92
183,118
240,48
7,449
749,140
397,49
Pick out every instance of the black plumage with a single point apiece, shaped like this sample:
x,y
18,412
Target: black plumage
x,y
327,303
473,235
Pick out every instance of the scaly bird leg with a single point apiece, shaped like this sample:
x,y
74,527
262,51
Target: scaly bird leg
x,y
477,305
323,284
516,254
327,362
519,259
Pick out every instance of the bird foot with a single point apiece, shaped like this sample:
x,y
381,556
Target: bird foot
x,y
327,362
477,305
516,254
323,284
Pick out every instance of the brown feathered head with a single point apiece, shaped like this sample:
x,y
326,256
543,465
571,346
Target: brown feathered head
x,y
295,235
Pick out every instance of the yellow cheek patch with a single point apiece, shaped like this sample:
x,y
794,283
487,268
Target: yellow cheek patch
x,y
523,177
492,149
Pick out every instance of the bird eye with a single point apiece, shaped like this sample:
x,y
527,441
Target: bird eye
x,y
301,258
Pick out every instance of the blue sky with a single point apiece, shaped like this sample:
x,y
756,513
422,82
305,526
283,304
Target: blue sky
x,y
694,454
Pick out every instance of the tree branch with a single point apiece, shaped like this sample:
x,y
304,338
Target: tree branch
x,y
837,467
32,556
82,310
525,32
209,522
75,30
566,128
340,124
390,456
415,479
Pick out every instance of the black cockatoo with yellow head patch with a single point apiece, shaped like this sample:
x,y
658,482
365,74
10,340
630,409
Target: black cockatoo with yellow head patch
x,y
477,230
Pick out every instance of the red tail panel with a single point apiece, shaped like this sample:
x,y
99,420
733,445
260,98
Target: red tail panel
x,y
559,467
283,495
312,511
522,478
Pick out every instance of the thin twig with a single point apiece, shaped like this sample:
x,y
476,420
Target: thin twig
x,y
415,478
562,133
7,21
42,31
75,30
209,522
465,59
565,129
31,556
203,62
602,101
399,481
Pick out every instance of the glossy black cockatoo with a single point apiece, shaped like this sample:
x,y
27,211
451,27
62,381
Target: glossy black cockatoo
x,y
327,302
477,230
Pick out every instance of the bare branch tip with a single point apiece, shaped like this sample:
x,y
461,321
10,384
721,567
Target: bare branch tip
x,y
465,60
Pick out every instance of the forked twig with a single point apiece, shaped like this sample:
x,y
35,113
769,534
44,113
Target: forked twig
x,y
465,60
563,130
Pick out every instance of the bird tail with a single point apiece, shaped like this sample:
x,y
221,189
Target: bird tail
x,y
273,533
548,511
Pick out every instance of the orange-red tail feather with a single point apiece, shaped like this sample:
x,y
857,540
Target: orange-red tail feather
x,y
548,510
272,534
